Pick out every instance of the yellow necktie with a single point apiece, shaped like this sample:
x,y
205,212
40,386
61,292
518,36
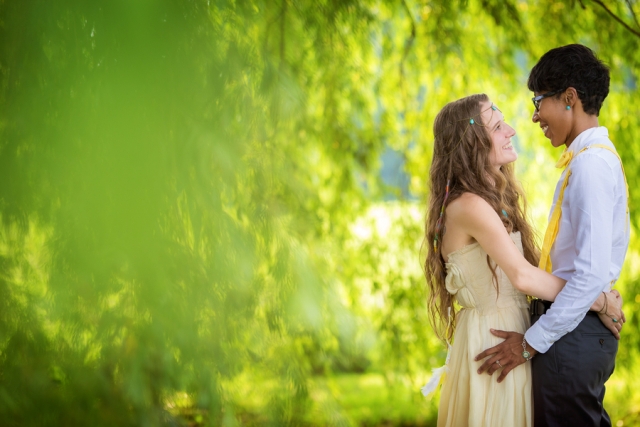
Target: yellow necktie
x,y
564,159
554,221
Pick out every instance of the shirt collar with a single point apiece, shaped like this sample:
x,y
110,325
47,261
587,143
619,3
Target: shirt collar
x,y
586,137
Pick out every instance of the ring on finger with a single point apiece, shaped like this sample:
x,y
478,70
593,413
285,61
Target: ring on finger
x,y
498,362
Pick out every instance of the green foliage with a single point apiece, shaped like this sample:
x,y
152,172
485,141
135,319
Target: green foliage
x,y
196,226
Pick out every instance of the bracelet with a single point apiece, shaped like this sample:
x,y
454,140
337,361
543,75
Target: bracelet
x,y
605,306
527,356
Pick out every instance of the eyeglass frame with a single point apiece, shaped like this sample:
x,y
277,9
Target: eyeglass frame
x,y
537,99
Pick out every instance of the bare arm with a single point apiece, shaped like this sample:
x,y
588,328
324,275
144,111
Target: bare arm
x,y
476,217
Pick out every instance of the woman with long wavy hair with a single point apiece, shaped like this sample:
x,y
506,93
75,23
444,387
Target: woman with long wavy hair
x,y
480,265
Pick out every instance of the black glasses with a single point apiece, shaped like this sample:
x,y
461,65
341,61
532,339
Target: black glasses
x,y
537,99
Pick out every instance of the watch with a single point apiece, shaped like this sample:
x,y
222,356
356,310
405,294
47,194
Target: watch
x,y
525,353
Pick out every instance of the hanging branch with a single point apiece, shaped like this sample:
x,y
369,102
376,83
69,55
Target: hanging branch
x,y
633,13
282,31
408,44
614,16
267,31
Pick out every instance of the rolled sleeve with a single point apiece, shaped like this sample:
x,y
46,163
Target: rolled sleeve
x,y
589,204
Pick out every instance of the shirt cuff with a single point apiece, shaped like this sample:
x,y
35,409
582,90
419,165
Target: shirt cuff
x,y
535,338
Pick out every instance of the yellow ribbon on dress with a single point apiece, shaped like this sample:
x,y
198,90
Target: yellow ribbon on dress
x,y
554,222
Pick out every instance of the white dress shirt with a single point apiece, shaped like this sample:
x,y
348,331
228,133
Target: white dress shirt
x,y
592,240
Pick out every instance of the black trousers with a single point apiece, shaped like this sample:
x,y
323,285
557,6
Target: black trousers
x,y
568,380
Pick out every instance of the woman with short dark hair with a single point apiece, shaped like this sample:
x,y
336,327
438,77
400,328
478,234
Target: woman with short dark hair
x,y
586,241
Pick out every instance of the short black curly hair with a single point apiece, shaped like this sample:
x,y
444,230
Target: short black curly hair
x,y
574,66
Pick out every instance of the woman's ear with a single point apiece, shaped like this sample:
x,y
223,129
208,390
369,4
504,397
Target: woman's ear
x,y
570,97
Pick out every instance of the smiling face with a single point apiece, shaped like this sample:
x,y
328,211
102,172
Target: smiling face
x,y
553,120
502,151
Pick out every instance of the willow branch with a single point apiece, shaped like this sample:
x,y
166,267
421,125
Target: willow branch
x,y
283,14
267,32
614,16
633,13
408,44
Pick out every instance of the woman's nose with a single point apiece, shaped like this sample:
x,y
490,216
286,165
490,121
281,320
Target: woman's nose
x,y
535,118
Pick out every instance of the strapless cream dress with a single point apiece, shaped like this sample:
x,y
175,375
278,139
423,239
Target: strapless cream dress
x,y
467,398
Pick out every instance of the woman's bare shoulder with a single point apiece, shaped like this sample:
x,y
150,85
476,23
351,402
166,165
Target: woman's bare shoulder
x,y
466,204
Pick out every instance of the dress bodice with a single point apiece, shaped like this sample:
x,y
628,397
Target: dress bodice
x,y
471,280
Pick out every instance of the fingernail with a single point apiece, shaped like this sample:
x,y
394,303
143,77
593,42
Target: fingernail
x,y
492,329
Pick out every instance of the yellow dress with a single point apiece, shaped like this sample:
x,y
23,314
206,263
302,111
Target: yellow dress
x,y
467,398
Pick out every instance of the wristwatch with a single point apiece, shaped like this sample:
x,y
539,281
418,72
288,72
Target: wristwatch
x,y
525,353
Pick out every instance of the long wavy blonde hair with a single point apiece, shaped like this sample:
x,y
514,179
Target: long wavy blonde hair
x,y
461,152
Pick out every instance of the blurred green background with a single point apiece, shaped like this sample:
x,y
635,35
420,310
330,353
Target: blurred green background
x,y
212,210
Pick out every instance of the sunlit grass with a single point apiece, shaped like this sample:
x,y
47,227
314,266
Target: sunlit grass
x,y
345,399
